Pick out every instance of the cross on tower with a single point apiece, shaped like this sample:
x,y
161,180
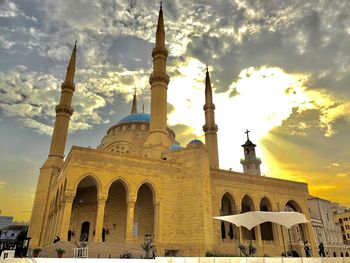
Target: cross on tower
x,y
247,132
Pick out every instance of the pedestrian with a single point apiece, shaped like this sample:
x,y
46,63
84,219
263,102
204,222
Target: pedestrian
x,y
57,238
321,250
307,249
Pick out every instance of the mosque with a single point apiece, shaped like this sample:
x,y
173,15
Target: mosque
x,y
139,182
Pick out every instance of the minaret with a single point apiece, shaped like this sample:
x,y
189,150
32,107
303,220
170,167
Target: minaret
x,y
251,164
159,80
134,104
54,162
210,128
64,111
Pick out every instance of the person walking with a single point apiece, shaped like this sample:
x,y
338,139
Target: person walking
x,y
307,249
321,250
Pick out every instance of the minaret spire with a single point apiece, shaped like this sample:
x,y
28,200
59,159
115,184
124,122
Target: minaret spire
x,y
53,164
64,111
134,104
210,128
159,81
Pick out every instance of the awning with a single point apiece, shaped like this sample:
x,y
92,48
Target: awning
x,y
254,218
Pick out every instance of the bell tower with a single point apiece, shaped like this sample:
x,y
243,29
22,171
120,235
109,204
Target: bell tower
x,y
251,163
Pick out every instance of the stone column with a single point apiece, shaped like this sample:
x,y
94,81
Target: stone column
x,y
156,221
48,229
258,235
100,217
238,209
66,216
130,221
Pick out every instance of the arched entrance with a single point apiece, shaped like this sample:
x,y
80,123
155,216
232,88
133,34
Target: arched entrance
x,y
247,205
115,213
334,254
144,213
228,207
347,254
85,230
84,210
297,232
266,228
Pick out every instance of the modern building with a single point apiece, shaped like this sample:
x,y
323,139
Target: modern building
x,y
342,215
141,182
326,227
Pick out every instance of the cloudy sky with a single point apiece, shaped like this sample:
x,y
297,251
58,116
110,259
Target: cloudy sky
x,y
278,68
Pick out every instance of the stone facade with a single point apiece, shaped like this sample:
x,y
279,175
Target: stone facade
x,y
140,182
326,227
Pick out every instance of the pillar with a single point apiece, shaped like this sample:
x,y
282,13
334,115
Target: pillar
x,y
130,221
100,217
66,216
156,221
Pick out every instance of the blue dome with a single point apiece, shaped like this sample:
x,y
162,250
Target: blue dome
x,y
195,141
137,117
175,147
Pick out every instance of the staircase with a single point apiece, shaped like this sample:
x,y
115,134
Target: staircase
x,y
96,249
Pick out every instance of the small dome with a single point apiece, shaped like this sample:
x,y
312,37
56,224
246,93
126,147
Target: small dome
x,y
175,147
195,142
138,117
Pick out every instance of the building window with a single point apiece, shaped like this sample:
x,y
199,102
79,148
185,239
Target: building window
x,y
340,220
347,227
327,217
345,219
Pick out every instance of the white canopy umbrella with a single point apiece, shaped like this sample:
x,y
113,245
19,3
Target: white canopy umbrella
x,y
254,218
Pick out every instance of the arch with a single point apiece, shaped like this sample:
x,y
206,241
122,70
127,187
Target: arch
x,y
85,231
247,204
347,254
84,207
342,254
93,176
152,188
228,207
266,228
334,254
144,223
294,205
297,232
123,181
115,212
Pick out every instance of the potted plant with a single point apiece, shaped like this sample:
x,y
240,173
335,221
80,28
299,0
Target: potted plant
x,y
60,252
147,246
36,252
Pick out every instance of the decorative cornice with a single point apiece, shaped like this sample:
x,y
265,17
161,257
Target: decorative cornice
x,y
70,87
209,106
64,109
160,51
209,129
159,77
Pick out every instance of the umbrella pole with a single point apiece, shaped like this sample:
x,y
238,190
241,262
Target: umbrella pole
x,y
284,244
